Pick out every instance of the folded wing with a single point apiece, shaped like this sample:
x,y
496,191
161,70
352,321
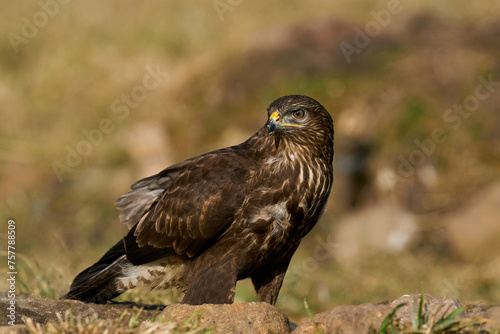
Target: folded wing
x,y
185,208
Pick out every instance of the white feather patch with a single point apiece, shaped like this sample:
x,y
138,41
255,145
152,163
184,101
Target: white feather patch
x,y
160,274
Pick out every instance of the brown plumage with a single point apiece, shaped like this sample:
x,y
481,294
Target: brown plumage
x,y
205,223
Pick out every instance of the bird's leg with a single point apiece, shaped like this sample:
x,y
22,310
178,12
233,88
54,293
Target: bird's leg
x,y
268,285
213,285
268,281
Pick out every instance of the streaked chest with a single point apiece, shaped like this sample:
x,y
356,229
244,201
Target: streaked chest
x,y
290,188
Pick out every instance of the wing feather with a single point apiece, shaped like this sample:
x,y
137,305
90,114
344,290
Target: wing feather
x,y
185,207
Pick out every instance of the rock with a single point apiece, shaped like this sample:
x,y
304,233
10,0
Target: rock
x,y
233,318
346,319
491,315
474,230
44,310
228,318
359,319
439,307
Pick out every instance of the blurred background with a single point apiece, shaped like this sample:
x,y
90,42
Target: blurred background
x,y
97,95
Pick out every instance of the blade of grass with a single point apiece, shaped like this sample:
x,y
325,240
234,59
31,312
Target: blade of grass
x,y
417,320
120,319
388,320
448,322
451,316
71,318
134,320
310,315
186,323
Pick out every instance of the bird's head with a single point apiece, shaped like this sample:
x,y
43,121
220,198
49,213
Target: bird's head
x,y
299,117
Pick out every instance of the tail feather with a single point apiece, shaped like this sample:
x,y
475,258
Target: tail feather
x,y
97,284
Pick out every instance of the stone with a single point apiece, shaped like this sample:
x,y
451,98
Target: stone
x,y
232,318
436,306
346,319
45,310
490,314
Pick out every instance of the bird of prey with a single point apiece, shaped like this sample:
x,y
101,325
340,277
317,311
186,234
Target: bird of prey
x,y
205,223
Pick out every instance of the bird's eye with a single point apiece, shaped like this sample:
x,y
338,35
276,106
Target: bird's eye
x,y
299,113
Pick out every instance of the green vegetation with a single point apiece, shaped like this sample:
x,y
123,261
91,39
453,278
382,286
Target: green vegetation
x,y
311,316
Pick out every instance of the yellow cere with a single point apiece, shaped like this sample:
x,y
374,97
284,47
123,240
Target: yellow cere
x,y
276,117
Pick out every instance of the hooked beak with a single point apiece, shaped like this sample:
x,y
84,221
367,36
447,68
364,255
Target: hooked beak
x,y
274,122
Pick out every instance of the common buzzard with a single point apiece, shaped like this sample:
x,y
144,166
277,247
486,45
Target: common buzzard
x,y
205,223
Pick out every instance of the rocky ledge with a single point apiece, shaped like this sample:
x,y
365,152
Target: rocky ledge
x,y
34,315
